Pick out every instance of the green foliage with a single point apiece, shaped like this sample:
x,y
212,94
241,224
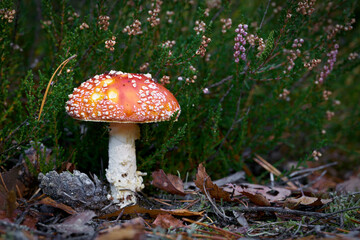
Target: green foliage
x,y
268,104
268,47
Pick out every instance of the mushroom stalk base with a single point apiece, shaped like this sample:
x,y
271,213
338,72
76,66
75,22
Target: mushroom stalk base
x,y
122,175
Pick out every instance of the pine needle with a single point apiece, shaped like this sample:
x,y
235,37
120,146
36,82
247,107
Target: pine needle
x,y
62,65
265,164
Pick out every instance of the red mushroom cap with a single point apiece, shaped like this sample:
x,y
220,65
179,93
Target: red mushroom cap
x,y
122,97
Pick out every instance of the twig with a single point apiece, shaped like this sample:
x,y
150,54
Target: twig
x,y
191,204
120,214
106,207
35,193
62,65
327,215
312,169
279,210
315,180
221,82
317,215
217,211
14,146
262,20
14,131
162,202
226,93
217,14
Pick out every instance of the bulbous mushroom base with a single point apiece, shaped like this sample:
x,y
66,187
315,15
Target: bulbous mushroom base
x,y
122,175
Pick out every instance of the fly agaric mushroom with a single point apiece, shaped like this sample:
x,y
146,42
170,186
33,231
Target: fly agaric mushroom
x,y
123,99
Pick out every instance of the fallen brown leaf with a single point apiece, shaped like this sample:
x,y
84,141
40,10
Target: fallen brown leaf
x,y
76,224
50,202
257,198
10,181
203,180
169,183
132,230
273,194
351,185
167,220
305,201
324,183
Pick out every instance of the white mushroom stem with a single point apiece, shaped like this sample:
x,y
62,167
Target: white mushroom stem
x,y
121,173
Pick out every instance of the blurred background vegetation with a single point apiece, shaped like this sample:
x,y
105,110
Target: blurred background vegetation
x,y
269,104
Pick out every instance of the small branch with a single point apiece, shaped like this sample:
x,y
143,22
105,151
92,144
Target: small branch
x,y
217,211
217,14
262,21
327,215
279,210
226,93
312,169
314,181
221,82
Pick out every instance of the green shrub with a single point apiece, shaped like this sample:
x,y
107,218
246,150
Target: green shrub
x,y
272,102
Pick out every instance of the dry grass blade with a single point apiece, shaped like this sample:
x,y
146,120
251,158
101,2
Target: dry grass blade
x,y
62,65
192,204
265,164
3,183
162,201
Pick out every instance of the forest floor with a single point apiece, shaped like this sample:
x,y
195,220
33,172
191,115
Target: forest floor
x,y
309,204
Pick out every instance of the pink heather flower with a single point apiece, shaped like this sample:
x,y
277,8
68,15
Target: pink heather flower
x,y
330,64
240,42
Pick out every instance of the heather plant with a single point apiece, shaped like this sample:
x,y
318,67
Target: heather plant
x,y
271,78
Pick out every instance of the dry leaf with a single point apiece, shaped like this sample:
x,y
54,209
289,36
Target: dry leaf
x,y
53,203
76,224
130,232
257,198
167,220
323,183
351,185
273,194
10,181
136,209
305,201
203,180
169,183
